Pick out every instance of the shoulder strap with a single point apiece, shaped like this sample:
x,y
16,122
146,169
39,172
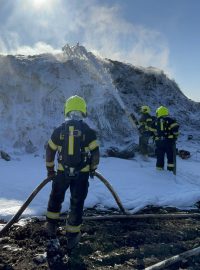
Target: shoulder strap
x,y
72,153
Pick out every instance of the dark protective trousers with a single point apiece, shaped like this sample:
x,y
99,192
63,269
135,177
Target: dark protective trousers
x,y
143,143
163,147
78,189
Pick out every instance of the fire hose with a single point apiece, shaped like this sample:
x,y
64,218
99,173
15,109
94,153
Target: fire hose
x,y
125,215
116,197
40,186
24,206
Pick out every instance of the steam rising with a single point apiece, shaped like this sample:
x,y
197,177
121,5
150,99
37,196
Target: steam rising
x,y
33,27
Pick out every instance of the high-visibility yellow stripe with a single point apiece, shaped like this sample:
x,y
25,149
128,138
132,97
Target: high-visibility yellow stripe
x,y
50,164
86,149
148,120
159,168
62,136
170,165
52,145
85,169
60,167
72,229
152,129
173,125
161,125
71,141
53,215
93,145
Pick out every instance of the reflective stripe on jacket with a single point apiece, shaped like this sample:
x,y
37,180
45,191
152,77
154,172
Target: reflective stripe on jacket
x,y
165,128
90,146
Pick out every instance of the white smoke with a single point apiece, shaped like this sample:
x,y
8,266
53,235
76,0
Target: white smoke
x,y
38,26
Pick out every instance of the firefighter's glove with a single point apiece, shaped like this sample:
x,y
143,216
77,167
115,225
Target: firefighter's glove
x,y
92,174
51,172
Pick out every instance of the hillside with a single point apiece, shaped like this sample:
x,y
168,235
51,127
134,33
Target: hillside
x,y
33,90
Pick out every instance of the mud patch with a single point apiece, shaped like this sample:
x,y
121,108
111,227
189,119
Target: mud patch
x,y
110,244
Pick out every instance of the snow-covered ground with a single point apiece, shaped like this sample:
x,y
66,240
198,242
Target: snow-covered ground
x,y
137,183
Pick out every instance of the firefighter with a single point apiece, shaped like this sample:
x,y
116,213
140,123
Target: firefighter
x,y
144,127
166,133
75,143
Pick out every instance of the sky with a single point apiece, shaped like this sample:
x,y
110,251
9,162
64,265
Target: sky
x,y
159,33
137,183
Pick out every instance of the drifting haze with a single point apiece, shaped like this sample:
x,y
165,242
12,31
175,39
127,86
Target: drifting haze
x,y
39,26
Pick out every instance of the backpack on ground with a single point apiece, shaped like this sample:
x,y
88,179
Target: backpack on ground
x,y
184,154
5,156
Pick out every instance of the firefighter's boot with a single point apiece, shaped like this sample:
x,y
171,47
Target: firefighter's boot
x,y
73,240
51,229
54,254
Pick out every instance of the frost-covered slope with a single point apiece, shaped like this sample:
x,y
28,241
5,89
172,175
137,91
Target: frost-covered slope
x,y
151,86
33,90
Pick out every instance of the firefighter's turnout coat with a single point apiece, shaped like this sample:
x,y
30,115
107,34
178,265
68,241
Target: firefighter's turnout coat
x,y
74,178
165,131
144,127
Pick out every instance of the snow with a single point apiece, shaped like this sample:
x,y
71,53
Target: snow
x,y
32,94
34,88
137,183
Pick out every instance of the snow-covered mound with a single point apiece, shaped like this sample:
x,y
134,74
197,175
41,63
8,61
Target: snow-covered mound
x,y
33,90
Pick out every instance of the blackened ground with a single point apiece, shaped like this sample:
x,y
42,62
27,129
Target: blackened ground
x,y
113,244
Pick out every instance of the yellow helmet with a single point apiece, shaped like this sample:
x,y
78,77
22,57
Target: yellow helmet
x,y
75,103
145,109
162,111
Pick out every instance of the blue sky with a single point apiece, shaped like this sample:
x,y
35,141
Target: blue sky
x,y
179,22
159,33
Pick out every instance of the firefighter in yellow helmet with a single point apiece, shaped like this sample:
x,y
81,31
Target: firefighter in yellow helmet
x,y
144,127
78,157
166,133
